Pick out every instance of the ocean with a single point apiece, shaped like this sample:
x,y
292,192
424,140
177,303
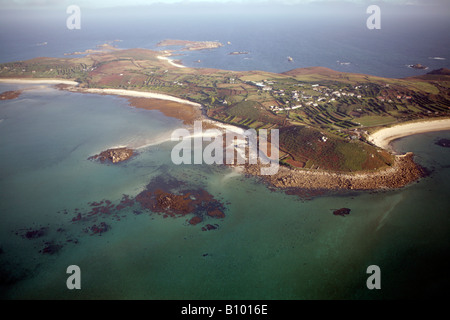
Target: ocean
x,y
270,245
333,37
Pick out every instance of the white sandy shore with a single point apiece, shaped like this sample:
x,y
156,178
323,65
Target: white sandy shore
x,y
151,95
140,94
118,92
39,81
382,138
171,62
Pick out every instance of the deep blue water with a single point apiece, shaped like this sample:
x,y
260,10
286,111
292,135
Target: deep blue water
x,y
311,36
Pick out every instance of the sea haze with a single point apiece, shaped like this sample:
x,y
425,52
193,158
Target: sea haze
x,y
334,37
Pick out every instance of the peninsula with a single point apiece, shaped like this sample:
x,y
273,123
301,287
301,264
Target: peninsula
x,y
328,120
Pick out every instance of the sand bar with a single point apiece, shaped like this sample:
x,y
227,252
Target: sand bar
x,y
140,94
208,123
171,62
382,138
39,81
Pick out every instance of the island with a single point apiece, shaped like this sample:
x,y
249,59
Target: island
x,y
113,155
234,53
190,45
9,95
327,120
101,48
417,66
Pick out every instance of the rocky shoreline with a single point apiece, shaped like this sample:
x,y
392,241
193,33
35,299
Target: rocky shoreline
x,y
403,172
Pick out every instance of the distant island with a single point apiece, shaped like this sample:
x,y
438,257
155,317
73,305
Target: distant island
x,y
190,45
238,53
326,119
101,48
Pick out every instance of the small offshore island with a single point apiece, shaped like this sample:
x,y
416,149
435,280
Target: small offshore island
x,y
190,45
418,66
9,95
114,155
235,53
325,118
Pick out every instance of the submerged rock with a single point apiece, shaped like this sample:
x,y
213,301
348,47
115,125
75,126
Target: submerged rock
x,y
35,233
195,220
101,228
51,248
443,143
210,227
341,212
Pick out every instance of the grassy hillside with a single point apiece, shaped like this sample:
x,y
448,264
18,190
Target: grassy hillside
x,y
312,149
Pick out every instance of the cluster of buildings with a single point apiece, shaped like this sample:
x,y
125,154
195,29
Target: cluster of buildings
x,y
296,99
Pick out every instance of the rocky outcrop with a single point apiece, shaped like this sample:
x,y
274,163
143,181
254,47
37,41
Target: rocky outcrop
x,y
418,66
164,200
9,95
51,248
402,172
113,155
33,233
101,228
195,220
209,227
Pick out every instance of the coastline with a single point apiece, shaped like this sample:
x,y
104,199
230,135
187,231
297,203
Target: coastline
x,y
402,172
383,137
135,94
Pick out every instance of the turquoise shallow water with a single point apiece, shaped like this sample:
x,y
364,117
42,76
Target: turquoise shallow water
x,y
269,246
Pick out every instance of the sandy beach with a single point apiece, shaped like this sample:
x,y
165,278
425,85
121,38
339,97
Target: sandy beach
x,y
383,137
208,123
39,81
171,62
140,94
